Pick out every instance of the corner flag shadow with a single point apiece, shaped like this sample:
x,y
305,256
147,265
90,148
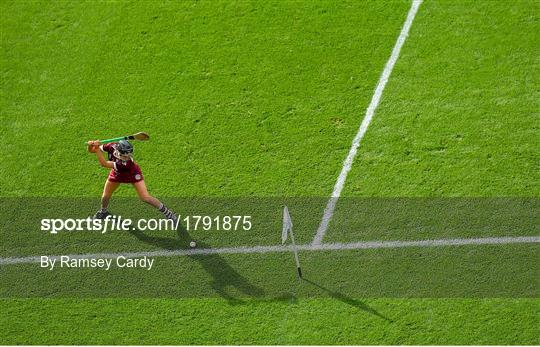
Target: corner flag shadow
x,y
223,275
348,300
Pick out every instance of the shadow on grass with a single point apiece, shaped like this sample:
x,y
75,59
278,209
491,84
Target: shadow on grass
x,y
223,275
348,300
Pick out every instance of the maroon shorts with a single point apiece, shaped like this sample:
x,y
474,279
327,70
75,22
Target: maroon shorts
x,y
125,177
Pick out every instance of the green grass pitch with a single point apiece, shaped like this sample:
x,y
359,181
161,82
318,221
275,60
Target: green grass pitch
x,y
260,101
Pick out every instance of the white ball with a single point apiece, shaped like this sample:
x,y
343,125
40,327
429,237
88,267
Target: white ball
x,y
192,244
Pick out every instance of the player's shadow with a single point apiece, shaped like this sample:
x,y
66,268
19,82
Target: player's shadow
x,y
223,275
348,300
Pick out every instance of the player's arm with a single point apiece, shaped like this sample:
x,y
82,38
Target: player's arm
x,y
94,146
102,161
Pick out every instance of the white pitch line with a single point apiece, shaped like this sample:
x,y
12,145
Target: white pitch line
x,y
347,164
280,249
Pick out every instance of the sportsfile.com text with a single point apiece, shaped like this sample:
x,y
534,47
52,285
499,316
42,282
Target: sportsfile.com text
x,y
118,223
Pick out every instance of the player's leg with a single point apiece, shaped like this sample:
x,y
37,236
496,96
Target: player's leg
x,y
140,187
108,191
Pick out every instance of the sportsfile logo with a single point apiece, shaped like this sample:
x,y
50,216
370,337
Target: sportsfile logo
x,y
116,223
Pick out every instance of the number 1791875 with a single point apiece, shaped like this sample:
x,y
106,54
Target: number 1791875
x,y
217,223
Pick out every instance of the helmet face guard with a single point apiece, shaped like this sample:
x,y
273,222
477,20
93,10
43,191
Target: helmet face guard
x,y
124,150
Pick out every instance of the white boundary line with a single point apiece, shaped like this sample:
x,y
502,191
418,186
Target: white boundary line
x,y
347,164
280,249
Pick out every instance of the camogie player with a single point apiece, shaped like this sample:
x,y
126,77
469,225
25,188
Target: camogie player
x,y
123,170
